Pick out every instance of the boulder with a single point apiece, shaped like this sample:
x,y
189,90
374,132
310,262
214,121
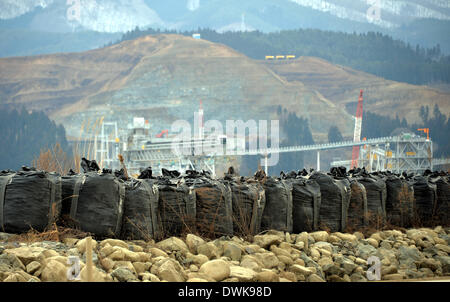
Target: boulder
x,y
242,274
123,275
216,269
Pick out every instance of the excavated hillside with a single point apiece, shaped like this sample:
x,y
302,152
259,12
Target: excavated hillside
x,y
161,78
342,85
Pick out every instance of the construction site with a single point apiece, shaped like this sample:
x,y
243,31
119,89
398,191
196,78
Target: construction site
x,y
142,146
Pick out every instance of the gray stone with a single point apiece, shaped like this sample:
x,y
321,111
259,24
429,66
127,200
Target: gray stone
x,y
358,277
11,261
233,251
365,250
407,256
123,275
445,263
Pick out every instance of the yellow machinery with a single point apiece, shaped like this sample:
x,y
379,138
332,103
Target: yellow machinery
x,y
270,57
280,57
290,57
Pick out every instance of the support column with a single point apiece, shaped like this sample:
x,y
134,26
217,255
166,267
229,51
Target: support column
x,y
318,160
266,168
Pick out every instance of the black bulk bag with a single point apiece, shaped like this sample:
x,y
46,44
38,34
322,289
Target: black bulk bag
x,y
214,212
376,198
249,200
176,206
306,199
277,213
335,199
29,200
140,210
425,196
94,203
399,201
357,209
442,214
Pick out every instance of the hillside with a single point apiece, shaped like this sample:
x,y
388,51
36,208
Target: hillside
x,y
161,78
341,85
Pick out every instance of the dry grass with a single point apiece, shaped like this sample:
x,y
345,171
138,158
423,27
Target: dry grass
x,y
53,233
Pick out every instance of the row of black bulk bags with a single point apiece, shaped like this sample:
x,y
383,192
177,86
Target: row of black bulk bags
x,y
357,216
29,200
248,203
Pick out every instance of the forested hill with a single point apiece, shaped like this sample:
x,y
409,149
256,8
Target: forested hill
x,y
23,135
374,53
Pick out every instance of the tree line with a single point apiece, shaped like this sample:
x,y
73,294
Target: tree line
x,y
370,52
23,135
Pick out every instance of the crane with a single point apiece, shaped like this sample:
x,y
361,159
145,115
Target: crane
x,y
426,131
357,133
166,132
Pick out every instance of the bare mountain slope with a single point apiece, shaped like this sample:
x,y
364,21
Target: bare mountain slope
x,y
161,78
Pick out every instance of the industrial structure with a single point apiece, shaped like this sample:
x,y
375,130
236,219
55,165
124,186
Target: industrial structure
x,y
140,148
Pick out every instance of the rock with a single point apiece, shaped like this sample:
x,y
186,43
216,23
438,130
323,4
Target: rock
x,y
199,259
97,276
70,241
346,237
241,273
173,244
372,242
54,271
232,250
135,248
193,242
358,277
408,256
301,270
139,267
107,264
290,276
50,253
286,260
303,237
359,235
27,254
333,269
266,240
123,275
171,271
314,253
234,280
266,276
32,267
429,263
217,269
12,261
279,252
377,237
200,276
197,280
251,263
445,263
193,268
156,252
149,277
268,260
324,245
114,242
325,261
393,277
125,264
314,278
81,245
346,264
387,270
320,236
333,239
209,249
444,248
365,251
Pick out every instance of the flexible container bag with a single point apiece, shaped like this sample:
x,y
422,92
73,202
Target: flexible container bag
x,y
425,195
442,214
249,200
277,213
214,213
94,203
306,200
376,199
177,207
399,201
335,199
357,209
29,200
140,211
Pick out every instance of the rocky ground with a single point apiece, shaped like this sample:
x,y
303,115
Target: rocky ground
x,y
270,257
